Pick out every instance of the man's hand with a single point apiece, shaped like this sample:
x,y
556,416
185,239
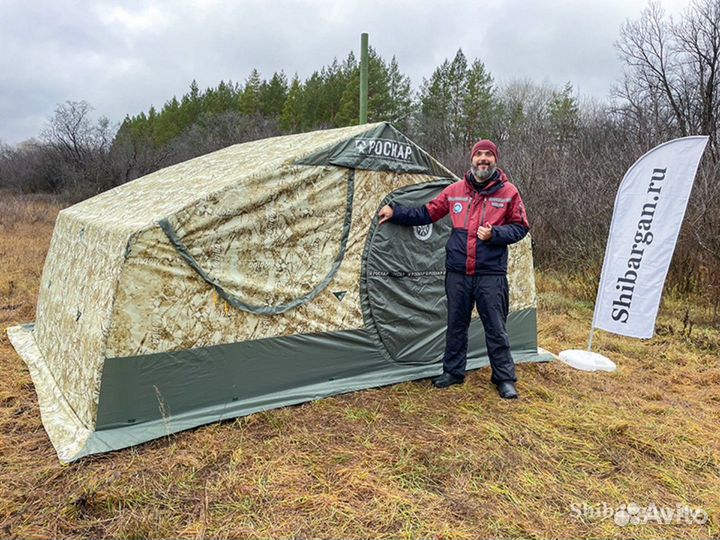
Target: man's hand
x,y
485,233
385,214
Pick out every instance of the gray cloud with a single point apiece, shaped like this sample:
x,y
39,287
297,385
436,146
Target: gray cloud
x,y
123,57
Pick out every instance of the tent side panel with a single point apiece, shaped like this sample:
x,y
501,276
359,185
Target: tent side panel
x,y
271,243
151,396
74,306
163,305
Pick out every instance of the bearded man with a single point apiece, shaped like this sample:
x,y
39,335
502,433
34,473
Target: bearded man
x,y
487,215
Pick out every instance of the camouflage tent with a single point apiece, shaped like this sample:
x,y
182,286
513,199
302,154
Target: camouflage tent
x,y
249,278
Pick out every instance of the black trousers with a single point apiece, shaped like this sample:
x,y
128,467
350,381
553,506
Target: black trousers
x,y
491,297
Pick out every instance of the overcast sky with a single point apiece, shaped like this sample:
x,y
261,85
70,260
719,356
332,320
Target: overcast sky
x,y
122,57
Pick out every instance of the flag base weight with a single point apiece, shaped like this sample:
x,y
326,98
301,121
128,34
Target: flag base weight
x,y
587,360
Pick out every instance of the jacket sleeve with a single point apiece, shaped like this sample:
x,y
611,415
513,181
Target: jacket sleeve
x,y
421,215
516,224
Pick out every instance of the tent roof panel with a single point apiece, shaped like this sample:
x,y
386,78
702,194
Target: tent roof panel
x,y
142,202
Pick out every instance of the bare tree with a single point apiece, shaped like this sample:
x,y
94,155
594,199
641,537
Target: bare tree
x,y
698,39
80,149
71,132
672,85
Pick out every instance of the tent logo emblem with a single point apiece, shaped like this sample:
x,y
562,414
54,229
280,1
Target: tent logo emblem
x,y
384,148
360,146
423,232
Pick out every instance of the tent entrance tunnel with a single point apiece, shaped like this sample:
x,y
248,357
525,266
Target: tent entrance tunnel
x,y
250,278
402,286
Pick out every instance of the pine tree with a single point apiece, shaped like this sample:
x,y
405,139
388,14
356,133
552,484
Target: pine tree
x,y
564,114
273,95
312,109
379,99
435,109
349,65
457,88
401,101
190,107
480,106
171,121
220,99
457,105
291,117
334,81
249,102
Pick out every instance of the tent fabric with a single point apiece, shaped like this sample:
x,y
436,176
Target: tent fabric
x,y
230,265
145,397
259,241
66,431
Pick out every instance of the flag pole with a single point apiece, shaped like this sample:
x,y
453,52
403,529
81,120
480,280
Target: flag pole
x,y
363,78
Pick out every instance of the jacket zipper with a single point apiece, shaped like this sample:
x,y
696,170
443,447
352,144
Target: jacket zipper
x,y
482,216
470,208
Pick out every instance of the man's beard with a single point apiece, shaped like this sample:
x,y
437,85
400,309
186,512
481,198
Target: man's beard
x,y
481,175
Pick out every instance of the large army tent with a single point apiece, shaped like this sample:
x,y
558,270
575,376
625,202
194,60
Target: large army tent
x,y
246,279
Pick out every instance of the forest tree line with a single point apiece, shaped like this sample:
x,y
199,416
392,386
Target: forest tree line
x,y
566,156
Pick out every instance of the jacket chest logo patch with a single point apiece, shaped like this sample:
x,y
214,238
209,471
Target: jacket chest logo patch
x,y
498,204
457,208
423,232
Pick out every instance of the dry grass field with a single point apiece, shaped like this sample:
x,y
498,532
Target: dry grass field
x,y
404,461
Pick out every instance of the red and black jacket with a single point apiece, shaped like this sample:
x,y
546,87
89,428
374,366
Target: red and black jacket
x,y
497,203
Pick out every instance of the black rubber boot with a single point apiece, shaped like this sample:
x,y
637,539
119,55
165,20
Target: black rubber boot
x,y
507,390
447,379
